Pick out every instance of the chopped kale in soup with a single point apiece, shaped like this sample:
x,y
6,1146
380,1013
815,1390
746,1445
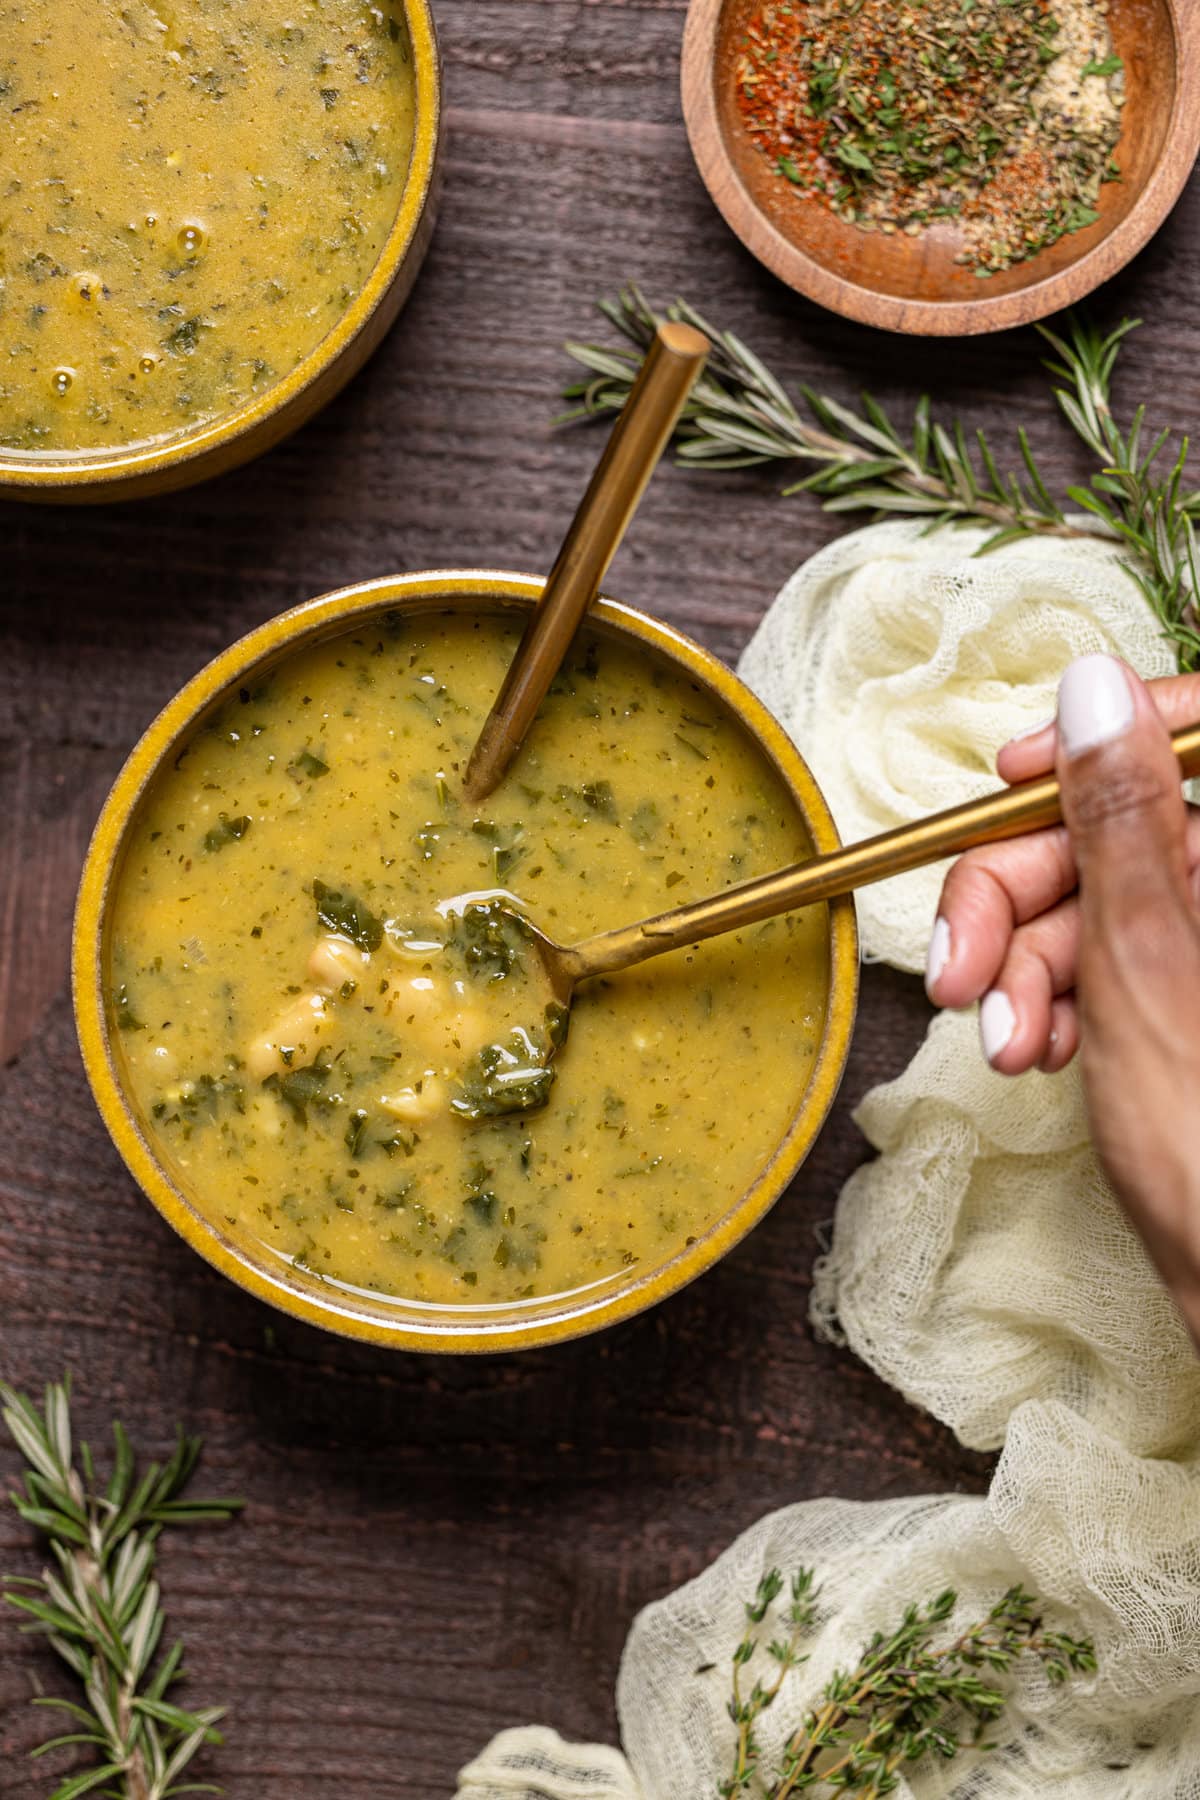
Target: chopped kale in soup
x,y
336,1046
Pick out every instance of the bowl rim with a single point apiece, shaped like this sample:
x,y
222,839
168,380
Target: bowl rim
x,y
793,265
24,477
559,1317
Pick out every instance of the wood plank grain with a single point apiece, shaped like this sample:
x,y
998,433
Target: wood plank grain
x,y
436,1549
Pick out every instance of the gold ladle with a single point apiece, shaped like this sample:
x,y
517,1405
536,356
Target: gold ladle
x,y
1029,806
643,429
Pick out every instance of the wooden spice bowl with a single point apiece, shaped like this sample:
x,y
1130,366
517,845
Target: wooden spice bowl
x,y
913,284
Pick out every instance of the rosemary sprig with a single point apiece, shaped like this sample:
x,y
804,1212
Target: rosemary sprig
x,y
98,1605
740,415
902,1701
1132,497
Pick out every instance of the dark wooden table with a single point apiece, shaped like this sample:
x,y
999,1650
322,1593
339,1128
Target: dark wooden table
x,y
435,1549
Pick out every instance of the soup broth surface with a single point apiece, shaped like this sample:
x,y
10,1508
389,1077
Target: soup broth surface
x,y
191,194
299,1037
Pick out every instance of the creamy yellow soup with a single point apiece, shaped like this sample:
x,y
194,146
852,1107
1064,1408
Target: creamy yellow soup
x,y
191,194
323,1034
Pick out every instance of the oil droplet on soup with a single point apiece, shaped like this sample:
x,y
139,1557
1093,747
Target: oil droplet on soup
x,y
302,1006
187,189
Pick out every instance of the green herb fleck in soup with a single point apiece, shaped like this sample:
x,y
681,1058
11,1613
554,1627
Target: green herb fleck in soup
x,y
191,195
337,1042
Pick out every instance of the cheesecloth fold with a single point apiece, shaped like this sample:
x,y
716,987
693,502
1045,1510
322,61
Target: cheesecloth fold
x,y
980,1263
901,663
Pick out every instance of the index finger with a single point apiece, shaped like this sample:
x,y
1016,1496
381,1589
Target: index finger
x,y
1176,699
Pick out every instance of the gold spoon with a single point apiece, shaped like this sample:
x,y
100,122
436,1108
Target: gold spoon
x,y
1030,806
639,437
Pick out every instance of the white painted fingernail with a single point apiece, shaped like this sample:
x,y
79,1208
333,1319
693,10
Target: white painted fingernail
x,y
1095,703
997,1022
938,954
1032,731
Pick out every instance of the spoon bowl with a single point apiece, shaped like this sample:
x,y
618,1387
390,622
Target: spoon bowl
x,y
394,604
1010,812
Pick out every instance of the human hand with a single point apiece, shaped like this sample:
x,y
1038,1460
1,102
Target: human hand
x,y
1087,937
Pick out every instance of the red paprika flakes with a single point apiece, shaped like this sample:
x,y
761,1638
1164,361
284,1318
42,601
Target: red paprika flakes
x,y
999,115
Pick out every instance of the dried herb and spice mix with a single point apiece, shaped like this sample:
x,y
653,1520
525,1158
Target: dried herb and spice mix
x,y
999,115
190,197
324,1059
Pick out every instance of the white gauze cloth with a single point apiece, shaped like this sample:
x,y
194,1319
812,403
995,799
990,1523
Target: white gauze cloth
x,y
900,664
981,1264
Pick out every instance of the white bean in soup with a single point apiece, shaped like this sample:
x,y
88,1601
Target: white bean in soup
x,y
328,1044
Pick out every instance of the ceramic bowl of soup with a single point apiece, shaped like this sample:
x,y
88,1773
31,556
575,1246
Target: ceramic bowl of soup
x,y
287,977
210,217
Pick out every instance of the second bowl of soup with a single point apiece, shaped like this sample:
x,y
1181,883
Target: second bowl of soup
x,y
211,214
292,1010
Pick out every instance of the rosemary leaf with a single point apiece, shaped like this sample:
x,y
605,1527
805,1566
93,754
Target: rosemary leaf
x,y
740,416
100,1607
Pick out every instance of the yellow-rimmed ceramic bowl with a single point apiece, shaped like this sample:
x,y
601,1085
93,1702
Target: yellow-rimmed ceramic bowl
x,y
413,1325
157,466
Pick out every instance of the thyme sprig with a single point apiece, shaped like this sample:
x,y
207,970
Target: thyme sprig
x,y
99,1604
740,415
903,1700
745,1709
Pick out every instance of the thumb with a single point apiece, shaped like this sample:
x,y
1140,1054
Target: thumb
x,y
1123,805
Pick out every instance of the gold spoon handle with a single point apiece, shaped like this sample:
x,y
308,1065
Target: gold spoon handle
x,y
1030,806
639,437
